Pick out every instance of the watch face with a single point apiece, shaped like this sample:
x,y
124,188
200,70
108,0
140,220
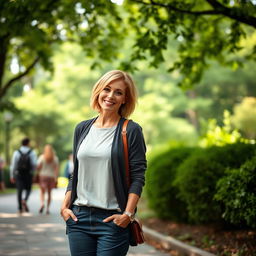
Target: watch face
x,y
128,214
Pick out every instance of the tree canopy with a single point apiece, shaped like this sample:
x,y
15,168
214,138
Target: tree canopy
x,y
203,30
29,31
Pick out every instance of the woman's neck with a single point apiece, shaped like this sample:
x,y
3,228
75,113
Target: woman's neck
x,y
107,120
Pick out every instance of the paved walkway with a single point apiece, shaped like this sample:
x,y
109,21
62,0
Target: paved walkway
x,y
41,235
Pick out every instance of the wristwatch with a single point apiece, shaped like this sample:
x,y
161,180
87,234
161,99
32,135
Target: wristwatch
x,y
130,215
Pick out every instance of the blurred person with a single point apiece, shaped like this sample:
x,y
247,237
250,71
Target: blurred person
x,y
22,167
2,165
69,167
98,205
48,171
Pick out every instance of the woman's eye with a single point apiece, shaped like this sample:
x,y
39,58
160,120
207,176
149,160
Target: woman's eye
x,y
106,89
119,93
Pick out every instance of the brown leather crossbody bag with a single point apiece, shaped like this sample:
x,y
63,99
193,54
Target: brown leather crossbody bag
x,y
136,233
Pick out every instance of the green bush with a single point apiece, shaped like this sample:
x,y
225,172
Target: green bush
x,y
162,195
197,177
237,193
6,176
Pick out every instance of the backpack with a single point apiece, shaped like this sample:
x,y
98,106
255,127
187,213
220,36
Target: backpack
x,y
24,164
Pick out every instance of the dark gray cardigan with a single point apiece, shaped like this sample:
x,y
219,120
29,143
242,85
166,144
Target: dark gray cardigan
x,y
137,160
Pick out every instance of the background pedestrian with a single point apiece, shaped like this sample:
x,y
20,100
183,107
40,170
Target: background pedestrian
x,y
48,171
69,167
21,172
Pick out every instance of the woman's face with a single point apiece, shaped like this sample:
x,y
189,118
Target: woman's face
x,y
112,96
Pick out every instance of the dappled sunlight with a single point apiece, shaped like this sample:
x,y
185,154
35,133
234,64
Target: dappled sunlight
x,y
13,228
59,239
18,232
7,225
44,227
14,215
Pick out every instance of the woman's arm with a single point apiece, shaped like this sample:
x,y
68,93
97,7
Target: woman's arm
x,y
38,168
137,158
65,212
132,202
137,165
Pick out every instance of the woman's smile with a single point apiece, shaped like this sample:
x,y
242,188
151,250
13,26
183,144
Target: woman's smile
x,y
112,96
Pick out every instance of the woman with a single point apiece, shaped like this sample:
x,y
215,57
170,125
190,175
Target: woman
x,y
48,170
98,206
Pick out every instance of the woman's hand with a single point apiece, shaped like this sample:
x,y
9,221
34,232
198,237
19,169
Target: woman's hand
x,y
121,220
66,213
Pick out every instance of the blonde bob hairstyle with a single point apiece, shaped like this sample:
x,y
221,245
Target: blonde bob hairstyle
x,y
130,93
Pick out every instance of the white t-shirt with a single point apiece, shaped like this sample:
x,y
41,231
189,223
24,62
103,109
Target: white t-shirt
x,y
95,185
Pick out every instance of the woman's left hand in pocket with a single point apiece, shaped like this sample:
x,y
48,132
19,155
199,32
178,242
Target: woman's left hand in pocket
x,y
121,220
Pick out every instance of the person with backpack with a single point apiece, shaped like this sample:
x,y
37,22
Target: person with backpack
x,y
22,167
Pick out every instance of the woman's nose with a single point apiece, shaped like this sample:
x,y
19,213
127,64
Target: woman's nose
x,y
111,94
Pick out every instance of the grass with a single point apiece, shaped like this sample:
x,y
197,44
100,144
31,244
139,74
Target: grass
x,y
8,191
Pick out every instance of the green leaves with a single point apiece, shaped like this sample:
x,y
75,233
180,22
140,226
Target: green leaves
x,y
203,32
32,29
236,192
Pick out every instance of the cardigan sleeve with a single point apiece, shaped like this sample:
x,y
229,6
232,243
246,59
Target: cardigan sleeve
x,y
75,141
137,158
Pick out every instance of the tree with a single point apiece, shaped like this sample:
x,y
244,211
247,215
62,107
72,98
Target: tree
x,y
44,120
225,87
30,29
203,29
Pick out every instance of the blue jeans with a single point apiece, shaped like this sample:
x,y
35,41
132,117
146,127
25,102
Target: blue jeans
x,y
90,236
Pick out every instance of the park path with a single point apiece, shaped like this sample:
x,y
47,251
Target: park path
x,y
33,234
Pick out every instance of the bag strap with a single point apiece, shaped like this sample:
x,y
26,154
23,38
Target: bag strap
x,y
126,157
24,153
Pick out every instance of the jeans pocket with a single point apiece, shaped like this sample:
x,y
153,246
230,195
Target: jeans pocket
x,y
69,224
68,219
116,226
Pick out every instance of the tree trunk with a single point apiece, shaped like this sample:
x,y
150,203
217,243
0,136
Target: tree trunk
x,y
4,41
4,88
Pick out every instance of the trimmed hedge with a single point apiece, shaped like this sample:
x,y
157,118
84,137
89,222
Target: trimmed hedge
x,y
197,177
237,193
161,194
